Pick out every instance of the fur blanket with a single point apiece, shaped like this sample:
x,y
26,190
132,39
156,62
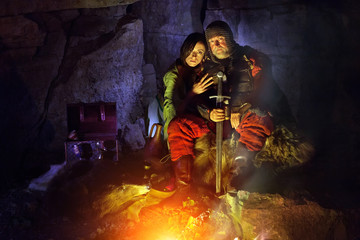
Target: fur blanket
x,y
283,149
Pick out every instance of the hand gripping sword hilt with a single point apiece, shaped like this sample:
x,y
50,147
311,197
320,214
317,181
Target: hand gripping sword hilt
x,y
219,97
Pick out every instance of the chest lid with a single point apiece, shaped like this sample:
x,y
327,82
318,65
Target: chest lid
x,y
93,121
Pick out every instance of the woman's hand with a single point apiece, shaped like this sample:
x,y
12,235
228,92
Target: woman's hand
x,y
203,84
217,115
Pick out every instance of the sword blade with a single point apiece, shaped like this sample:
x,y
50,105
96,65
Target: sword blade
x,y
219,133
219,136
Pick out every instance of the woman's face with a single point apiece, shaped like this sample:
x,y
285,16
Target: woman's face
x,y
197,55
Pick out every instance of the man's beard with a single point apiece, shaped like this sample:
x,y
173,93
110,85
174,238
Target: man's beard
x,y
222,54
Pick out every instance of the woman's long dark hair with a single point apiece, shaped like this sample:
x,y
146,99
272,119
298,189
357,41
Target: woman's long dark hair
x,y
189,44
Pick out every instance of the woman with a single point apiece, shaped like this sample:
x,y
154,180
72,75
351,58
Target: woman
x,y
181,82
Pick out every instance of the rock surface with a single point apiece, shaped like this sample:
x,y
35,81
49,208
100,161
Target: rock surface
x,y
16,7
272,216
109,72
166,25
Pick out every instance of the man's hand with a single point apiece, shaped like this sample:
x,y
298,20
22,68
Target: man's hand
x,y
217,115
235,120
235,117
203,84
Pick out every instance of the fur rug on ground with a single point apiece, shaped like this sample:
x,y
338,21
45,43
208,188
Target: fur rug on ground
x,y
283,149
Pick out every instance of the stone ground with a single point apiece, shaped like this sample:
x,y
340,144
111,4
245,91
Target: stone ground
x,y
66,210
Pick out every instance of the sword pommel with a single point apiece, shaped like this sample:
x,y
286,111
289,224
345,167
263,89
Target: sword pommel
x,y
220,74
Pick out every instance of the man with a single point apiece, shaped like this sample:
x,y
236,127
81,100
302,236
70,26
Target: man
x,y
246,83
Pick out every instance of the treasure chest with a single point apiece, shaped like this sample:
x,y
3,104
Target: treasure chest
x,y
92,131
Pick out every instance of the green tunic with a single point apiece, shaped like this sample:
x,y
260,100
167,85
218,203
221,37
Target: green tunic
x,y
177,93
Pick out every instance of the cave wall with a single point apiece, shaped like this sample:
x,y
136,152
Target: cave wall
x,y
50,57
19,7
53,53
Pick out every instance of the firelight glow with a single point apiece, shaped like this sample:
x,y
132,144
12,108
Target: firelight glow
x,y
261,236
168,238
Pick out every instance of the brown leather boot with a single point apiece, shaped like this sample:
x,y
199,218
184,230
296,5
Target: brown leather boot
x,y
242,168
182,168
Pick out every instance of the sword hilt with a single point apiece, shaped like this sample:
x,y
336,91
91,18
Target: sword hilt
x,y
220,75
220,98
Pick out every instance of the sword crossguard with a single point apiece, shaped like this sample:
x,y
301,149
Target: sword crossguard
x,y
220,97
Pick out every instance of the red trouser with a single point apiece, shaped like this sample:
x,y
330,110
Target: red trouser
x,y
254,130
183,130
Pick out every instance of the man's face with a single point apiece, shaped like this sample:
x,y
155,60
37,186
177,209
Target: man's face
x,y
219,47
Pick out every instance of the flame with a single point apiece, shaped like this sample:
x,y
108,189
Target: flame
x,y
193,219
168,238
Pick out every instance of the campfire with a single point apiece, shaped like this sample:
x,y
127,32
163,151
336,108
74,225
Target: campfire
x,y
154,215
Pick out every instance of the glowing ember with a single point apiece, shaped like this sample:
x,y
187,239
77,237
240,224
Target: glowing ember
x,y
192,221
153,214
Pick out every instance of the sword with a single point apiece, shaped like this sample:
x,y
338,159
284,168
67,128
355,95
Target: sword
x,y
219,130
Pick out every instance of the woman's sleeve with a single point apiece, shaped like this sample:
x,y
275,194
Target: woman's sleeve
x,y
169,113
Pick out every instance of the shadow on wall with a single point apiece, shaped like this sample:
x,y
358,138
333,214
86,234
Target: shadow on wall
x,y
328,110
319,74
195,14
19,139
